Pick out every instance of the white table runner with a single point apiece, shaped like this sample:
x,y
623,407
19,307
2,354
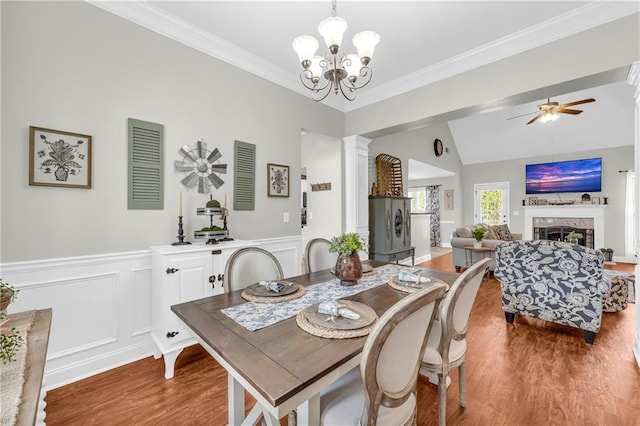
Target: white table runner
x,y
254,315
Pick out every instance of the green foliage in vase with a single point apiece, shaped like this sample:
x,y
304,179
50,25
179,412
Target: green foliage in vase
x,y
8,295
574,235
478,233
347,244
10,343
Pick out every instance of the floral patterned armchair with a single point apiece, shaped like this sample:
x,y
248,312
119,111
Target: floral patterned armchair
x,y
552,281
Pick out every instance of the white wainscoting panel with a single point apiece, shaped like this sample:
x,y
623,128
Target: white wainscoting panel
x,y
101,310
288,251
141,294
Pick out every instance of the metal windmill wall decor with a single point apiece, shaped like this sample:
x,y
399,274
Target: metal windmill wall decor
x,y
201,167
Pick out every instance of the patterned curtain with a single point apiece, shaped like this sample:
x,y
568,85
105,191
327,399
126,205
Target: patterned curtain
x,y
433,207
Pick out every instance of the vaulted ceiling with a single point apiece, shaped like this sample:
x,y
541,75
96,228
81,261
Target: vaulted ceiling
x,y
421,42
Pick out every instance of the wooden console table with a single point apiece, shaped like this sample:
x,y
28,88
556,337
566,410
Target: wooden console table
x,y
31,409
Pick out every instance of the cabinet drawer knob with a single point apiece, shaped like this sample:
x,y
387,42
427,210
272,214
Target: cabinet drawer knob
x,y
171,270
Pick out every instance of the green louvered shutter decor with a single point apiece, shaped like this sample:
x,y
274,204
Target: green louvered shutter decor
x,y
244,179
146,174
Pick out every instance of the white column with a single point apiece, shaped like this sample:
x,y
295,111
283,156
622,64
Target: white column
x,y
356,184
634,79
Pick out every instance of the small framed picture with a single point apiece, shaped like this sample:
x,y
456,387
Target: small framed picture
x,y
541,202
533,201
595,200
448,199
278,180
59,158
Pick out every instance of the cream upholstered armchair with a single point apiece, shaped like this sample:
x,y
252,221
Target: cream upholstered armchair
x,y
446,344
249,265
317,256
552,281
383,390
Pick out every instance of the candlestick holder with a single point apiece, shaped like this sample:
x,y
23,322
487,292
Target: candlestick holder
x,y
225,213
181,241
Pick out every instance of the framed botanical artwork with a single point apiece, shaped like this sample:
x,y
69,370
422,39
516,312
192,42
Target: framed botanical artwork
x,y
278,180
59,158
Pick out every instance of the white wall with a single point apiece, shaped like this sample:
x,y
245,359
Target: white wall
x,y
322,156
71,66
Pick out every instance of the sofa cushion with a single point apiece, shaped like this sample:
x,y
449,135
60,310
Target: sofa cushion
x,y
464,232
502,232
491,233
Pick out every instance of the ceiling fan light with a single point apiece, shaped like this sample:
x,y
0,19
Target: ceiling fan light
x,y
549,116
365,42
332,29
305,46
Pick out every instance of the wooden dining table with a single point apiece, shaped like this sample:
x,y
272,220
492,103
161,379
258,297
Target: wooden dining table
x,y
281,366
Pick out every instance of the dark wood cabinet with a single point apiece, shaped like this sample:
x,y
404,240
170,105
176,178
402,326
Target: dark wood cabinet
x,y
390,229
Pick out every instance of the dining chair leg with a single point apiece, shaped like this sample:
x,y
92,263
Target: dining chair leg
x,y
442,399
462,385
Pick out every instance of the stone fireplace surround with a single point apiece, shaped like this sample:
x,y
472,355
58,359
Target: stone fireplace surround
x,y
576,213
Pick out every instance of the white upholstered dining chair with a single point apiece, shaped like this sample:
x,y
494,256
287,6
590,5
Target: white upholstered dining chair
x,y
383,389
317,256
446,343
249,265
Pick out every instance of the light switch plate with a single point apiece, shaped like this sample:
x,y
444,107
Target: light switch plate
x,y
285,217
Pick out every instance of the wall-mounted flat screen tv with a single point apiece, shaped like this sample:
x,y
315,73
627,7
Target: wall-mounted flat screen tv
x,y
565,176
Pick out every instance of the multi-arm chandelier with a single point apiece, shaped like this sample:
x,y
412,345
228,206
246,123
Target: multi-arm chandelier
x,y
343,72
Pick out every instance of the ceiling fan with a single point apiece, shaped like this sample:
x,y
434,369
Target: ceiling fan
x,y
549,111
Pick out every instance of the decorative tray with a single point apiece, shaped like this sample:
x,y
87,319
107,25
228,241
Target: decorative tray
x,y
261,291
367,316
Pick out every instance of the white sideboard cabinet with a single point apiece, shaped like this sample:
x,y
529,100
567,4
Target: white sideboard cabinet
x,y
179,274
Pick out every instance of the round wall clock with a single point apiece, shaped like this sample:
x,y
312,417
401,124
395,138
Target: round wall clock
x,y
438,148
201,167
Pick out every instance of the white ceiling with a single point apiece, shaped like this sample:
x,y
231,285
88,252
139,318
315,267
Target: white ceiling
x,y
421,42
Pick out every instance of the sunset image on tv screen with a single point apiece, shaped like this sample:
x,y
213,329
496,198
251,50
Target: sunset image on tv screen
x,y
564,176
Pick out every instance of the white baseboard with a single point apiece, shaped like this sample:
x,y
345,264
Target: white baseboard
x,y
422,258
72,372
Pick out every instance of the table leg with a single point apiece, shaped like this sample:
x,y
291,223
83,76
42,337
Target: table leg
x,y
269,420
254,416
309,411
235,395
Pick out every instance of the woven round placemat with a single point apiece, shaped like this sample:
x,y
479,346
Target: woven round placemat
x,y
408,289
329,333
251,298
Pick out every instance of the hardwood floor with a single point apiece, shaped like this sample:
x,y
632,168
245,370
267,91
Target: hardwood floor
x,y
528,373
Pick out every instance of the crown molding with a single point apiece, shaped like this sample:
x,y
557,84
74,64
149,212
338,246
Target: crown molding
x,y
157,20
